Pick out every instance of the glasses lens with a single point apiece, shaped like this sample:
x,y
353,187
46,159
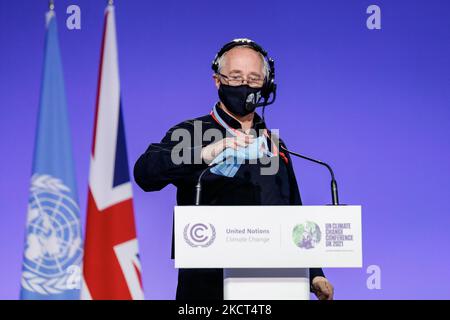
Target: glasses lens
x,y
238,80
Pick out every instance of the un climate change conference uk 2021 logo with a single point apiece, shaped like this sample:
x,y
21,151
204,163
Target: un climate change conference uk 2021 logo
x,y
199,234
306,235
53,243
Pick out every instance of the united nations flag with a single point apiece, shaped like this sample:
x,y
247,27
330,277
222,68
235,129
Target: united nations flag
x,y
53,243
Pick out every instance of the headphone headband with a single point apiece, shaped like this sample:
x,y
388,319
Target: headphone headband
x,y
235,43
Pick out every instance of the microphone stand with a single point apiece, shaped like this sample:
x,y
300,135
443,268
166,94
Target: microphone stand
x,y
198,187
334,188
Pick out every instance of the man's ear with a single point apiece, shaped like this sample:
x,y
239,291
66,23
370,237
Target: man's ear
x,y
216,81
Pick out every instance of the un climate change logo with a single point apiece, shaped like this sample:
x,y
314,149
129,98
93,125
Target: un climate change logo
x,y
53,242
199,234
306,235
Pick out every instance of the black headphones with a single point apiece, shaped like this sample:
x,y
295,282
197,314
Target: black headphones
x,y
269,87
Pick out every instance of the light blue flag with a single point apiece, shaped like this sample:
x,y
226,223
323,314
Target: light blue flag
x,y
53,242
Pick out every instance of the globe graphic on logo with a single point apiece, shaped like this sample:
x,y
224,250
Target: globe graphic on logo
x,y
53,242
306,235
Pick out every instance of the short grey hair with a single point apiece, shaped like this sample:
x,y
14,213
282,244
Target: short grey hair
x,y
266,68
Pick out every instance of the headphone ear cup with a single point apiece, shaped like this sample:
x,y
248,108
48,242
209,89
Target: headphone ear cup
x,y
274,87
214,65
268,88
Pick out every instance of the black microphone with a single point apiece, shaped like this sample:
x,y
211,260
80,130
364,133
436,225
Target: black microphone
x,y
334,188
198,187
252,104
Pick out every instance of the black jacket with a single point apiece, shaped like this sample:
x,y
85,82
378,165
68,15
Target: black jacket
x,y
155,169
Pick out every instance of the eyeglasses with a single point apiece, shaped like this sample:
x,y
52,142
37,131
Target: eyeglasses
x,y
254,82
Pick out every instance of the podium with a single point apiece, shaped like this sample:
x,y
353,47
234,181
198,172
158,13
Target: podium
x,y
266,251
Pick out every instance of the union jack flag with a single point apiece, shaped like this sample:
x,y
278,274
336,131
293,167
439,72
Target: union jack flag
x,y
111,266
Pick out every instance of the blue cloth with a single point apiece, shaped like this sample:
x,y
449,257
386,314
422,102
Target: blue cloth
x,y
53,243
228,162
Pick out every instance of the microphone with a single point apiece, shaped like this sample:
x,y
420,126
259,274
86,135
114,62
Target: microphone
x,y
251,105
198,187
334,188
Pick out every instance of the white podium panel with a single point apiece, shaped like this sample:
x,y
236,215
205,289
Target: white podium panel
x,y
266,251
268,236
266,284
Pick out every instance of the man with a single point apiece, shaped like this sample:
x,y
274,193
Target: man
x,y
243,74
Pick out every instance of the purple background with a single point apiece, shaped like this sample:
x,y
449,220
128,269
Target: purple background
x,y
375,104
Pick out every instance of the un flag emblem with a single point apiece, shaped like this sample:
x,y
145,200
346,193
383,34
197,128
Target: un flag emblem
x,y
53,237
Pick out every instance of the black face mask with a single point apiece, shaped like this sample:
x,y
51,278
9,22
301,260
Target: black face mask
x,y
240,100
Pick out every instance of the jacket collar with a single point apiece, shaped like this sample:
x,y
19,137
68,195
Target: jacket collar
x,y
258,123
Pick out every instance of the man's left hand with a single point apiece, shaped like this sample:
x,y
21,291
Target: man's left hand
x,y
322,288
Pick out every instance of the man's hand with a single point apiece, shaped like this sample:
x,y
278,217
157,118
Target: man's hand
x,y
322,288
210,152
